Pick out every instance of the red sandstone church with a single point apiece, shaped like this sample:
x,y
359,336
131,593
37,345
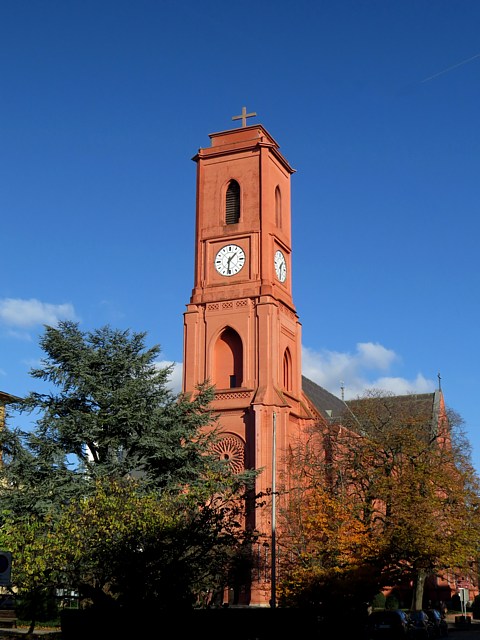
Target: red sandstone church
x,y
241,328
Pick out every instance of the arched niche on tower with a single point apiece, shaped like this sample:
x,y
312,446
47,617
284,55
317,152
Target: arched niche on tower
x,y
278,207
287,370
227,360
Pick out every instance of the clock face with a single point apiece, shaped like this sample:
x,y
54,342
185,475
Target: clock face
x,y
280,266
229,260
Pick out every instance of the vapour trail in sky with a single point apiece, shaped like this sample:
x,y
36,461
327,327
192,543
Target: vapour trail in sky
x,y
454,66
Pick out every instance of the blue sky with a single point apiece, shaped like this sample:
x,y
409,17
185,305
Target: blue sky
x,y
375,103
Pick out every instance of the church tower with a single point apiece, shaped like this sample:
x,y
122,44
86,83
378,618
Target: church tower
x,y
241,329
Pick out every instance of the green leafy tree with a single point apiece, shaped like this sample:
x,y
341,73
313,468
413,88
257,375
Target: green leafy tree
x,y
116,450
110,409
34,550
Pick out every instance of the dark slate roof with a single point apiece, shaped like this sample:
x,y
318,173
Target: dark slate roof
x,y
420,410
328,405
6,398
333,408
417,403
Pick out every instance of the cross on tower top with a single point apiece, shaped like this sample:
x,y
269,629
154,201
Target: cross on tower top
x,y
244,116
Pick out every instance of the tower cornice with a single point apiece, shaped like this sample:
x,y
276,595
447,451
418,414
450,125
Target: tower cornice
x,y
240,140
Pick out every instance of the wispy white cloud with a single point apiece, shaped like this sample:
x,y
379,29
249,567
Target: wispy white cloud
x,y
359,371
175,381
15,312
372,355
401,386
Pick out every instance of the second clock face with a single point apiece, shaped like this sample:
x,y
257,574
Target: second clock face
x,y
280,266
229,260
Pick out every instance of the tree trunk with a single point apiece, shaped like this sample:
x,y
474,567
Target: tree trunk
x,y
418,589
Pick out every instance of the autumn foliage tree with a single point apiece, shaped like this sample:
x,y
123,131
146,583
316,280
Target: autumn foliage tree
x,y
324,553
412,471
325,548
389,494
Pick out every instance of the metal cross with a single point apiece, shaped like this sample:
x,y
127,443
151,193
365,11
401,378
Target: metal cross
x,y
244,116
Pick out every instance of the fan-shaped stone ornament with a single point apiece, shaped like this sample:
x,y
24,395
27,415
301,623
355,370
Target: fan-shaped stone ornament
x,y
232,449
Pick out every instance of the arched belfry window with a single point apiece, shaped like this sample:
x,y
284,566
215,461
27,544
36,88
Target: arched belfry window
x,y
232,205
278,207
228,360
287,370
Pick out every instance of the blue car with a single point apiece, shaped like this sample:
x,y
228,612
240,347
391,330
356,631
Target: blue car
x,y
388,623
438,621
421,627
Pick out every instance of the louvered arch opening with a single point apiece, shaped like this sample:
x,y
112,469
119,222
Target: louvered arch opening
x,y
232,209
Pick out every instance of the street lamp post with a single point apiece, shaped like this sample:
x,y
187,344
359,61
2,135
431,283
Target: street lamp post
x,y
274,488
